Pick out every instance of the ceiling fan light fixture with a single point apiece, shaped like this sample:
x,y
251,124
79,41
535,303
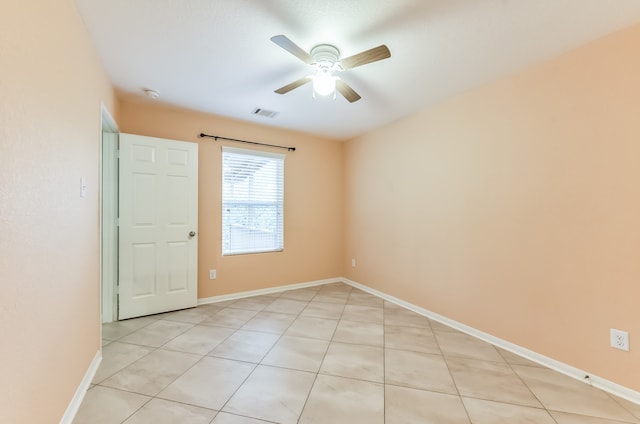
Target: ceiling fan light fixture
x,y
324,84
325,61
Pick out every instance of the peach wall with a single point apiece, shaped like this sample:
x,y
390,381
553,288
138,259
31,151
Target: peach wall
x,y
313,199
514,208
51,88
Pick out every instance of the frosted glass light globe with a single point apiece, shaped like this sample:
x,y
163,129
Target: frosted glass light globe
x,y
324,84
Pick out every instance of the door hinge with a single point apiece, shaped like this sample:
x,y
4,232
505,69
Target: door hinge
x,y
118,154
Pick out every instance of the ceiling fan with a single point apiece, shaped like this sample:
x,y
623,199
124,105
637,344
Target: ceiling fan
x,y
325,61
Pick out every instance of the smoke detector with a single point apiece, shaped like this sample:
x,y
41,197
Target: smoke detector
x,y
152,94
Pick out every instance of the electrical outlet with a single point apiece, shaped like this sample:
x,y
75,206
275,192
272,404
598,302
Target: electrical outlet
x,y
619,339
212,274
353,263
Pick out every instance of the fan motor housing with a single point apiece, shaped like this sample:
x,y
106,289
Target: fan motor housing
x,y
325,53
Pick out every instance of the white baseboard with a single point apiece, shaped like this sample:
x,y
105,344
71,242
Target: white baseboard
x,y
74,405
270,290
561,367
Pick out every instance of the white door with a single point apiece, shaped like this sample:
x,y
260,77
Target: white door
x,y
158,204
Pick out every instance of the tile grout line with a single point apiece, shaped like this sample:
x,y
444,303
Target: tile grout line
x,y
330,341
173,380
615,399
207,356
263,356
384,364
321,363
510,365
193,325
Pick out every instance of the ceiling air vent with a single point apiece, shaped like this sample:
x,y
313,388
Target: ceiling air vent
x,y
264,112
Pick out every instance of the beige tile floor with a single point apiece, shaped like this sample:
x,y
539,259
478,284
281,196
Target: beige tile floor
x,y
328,354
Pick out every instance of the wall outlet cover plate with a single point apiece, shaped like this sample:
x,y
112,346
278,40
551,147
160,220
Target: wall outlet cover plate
x,y
620,339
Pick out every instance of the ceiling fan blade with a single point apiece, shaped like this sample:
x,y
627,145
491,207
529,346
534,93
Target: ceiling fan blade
x,y
292,48
348,92
367,56
293,85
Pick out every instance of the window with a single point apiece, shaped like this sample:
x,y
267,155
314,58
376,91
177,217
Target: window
x,y
252,201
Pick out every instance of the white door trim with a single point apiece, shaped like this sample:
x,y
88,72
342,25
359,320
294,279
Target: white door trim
x,y
108,217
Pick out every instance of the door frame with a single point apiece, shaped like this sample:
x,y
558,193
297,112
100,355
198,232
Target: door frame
x,y
108,217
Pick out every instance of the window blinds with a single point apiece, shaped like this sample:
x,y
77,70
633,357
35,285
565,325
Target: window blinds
x,y
252,201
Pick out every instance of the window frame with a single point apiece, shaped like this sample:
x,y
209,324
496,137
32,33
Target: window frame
x,y
278,245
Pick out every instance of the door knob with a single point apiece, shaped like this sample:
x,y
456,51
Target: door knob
x,y
192,233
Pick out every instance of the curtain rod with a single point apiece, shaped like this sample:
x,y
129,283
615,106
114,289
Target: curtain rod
x,y
215,137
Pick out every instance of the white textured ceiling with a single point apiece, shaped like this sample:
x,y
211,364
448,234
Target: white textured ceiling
x,y
216,56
